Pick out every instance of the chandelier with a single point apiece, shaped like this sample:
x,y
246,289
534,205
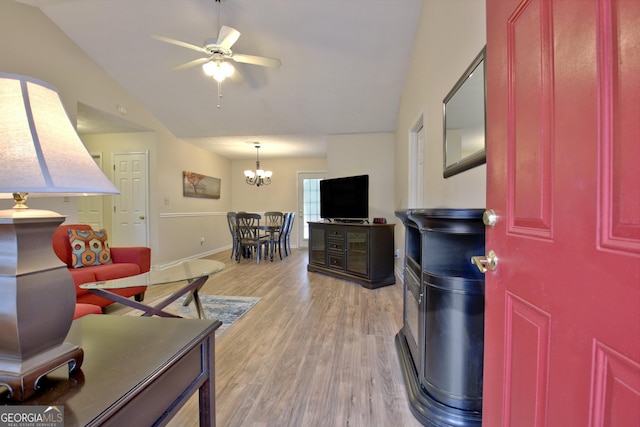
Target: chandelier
x,y
259,176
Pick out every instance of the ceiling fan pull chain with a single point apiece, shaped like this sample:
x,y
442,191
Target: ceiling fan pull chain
x,y
219,93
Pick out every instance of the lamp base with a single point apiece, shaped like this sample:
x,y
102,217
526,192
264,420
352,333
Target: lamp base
x,y
24,383
37,302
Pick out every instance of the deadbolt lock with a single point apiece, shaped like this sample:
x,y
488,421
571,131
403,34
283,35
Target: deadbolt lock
x,y
490,217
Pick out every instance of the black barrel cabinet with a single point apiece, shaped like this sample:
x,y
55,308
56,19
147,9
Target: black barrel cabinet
x,y
441,343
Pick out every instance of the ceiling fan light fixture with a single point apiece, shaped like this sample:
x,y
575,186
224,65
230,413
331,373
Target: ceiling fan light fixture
x,y
219,70
209,68
227,69
218,76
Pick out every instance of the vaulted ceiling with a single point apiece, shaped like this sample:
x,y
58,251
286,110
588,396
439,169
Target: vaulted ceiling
x,y
344,64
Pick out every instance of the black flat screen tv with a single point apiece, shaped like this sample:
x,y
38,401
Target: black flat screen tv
x,y
345,199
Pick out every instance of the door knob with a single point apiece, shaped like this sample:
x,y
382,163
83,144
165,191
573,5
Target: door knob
x,y
490,217
484,263
141,216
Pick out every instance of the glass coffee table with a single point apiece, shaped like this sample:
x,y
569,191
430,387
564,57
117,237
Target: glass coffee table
x,y
195,272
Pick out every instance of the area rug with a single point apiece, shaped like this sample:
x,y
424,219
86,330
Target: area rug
x,y
226,309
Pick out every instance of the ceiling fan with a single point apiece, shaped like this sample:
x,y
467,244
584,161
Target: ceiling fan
x,y
217,53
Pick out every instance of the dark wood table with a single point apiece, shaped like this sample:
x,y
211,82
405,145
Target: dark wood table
x,y
137,371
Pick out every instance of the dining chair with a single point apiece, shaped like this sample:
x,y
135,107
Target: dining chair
x,y
249,237
273,218
231,221
287,237
283,232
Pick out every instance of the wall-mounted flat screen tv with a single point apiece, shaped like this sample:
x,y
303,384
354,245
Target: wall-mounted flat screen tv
x,y
345,198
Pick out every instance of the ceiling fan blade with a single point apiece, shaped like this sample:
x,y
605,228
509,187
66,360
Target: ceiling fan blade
x,y
181,44
190,64
256,60
227,37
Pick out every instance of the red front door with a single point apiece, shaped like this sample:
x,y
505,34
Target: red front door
x,y
562,331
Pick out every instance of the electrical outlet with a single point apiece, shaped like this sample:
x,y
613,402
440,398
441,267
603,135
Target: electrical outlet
x,y
202,241
397,253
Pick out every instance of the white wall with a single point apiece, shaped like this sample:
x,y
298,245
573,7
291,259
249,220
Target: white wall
x,y
185,220
366,154
28,33
450,34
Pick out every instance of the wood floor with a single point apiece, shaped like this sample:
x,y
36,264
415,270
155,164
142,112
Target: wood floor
x,y
315,351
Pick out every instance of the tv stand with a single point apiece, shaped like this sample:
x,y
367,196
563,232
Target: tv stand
x,y
362,253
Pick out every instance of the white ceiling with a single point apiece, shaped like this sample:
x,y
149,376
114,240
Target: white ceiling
x,y
344,64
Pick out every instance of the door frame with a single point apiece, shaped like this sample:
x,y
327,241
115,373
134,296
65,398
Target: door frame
x,y
302,243
417,160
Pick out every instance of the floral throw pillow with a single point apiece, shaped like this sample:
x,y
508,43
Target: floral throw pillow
x,y
89,247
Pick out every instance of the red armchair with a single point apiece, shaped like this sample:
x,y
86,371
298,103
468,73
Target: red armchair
x,y
126,262
85,309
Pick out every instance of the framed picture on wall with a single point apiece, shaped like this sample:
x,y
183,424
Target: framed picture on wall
x,y
200,186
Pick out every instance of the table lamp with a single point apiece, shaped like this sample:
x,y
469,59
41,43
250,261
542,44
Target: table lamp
x,y
42,155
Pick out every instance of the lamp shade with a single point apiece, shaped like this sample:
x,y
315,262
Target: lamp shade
x,y
41,152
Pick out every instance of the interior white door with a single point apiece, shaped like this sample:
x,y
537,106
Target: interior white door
x,y
130,175
90,208
308,204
